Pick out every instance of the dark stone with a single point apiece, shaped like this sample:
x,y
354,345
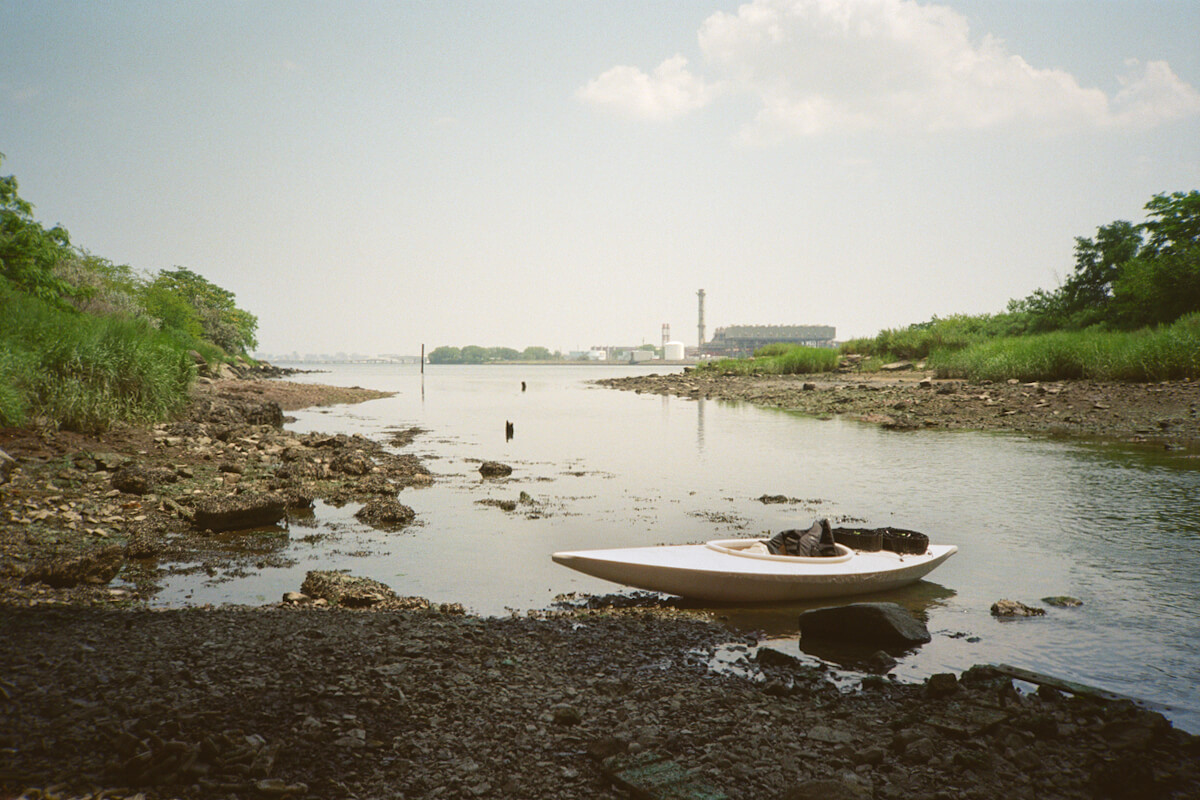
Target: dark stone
x,y
1013,608
132,479
880,663
494,469
770,657
239,512
98,568
867,623
942,684
385,512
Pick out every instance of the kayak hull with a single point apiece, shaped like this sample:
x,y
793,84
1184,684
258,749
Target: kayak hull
x,y
725,571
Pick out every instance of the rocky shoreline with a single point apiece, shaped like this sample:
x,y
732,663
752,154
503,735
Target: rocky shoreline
x,y
307,697
1165,415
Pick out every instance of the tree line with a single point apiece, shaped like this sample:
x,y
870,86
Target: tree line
x,y
474,354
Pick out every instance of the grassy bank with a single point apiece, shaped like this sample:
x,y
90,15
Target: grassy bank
x,y
81,371
1169,352
778,360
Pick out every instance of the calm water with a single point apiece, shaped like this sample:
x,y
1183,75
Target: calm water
x,y
1119,529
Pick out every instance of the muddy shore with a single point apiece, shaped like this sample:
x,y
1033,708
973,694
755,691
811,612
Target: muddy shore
x,y
308,698
1165,415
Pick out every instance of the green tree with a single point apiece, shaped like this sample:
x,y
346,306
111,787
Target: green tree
x,y
28,252
1087,292
1163,282
445,355
1174,224
219,319
474,354
536,354
503,354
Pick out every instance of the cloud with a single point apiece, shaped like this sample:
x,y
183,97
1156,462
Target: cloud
x,y
669,92
821,66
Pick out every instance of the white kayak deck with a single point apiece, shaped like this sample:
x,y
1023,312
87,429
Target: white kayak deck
x,y
726,570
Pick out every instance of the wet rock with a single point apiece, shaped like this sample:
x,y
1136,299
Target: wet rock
x,y
867,623
239,512
385,513
942,684
767,499
354,462
343,589
1062,601
494,469
97,567
1014,608
133,479
880,663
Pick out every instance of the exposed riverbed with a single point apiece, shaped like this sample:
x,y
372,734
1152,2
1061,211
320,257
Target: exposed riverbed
x,y
592,467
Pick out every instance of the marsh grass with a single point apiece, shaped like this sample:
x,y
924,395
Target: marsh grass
x,y
1169,352
779,360
84,372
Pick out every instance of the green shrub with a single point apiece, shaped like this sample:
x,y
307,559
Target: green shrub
x,y
1169,352
778,359
84,372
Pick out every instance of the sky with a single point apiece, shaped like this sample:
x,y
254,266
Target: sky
x,y
374,176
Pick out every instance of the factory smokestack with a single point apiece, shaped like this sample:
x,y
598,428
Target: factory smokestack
x,y
700,326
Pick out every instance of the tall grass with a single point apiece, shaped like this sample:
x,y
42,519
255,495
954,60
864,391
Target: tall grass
x,y
1169,352
779,360
84,372
949,333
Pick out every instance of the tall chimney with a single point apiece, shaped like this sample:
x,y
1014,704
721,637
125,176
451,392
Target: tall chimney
x,y
700,337
666,333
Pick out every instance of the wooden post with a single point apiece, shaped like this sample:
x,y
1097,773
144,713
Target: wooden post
x,y
422,359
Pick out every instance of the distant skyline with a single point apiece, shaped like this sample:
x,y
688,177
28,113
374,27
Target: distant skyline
x,y
376,176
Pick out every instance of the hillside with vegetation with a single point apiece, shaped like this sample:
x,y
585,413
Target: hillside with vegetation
x,y
85,342
1128,311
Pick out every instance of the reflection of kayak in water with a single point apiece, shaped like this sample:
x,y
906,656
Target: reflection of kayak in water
x,y
744,571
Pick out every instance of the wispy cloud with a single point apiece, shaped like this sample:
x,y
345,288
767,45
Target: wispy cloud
x,y
671,90
821,66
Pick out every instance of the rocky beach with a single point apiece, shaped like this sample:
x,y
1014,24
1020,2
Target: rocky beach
x,y
1165,415
345,689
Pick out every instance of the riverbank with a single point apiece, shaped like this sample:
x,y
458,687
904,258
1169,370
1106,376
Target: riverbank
x,y
1161,414
302,698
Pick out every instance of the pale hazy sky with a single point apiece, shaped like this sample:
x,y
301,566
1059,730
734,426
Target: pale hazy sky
x,y
373,176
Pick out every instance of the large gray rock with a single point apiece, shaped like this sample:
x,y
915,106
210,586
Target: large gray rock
x,y
494,469
342,589
239,512
876,624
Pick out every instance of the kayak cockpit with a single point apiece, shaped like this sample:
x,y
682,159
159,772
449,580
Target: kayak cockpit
x,y
757,548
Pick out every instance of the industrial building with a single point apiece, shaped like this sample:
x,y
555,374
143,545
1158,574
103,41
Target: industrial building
x,y
738,341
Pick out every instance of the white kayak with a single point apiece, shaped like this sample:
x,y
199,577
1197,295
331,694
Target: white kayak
x,y
738,571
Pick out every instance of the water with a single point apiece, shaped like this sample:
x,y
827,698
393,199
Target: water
x,y
1117,528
